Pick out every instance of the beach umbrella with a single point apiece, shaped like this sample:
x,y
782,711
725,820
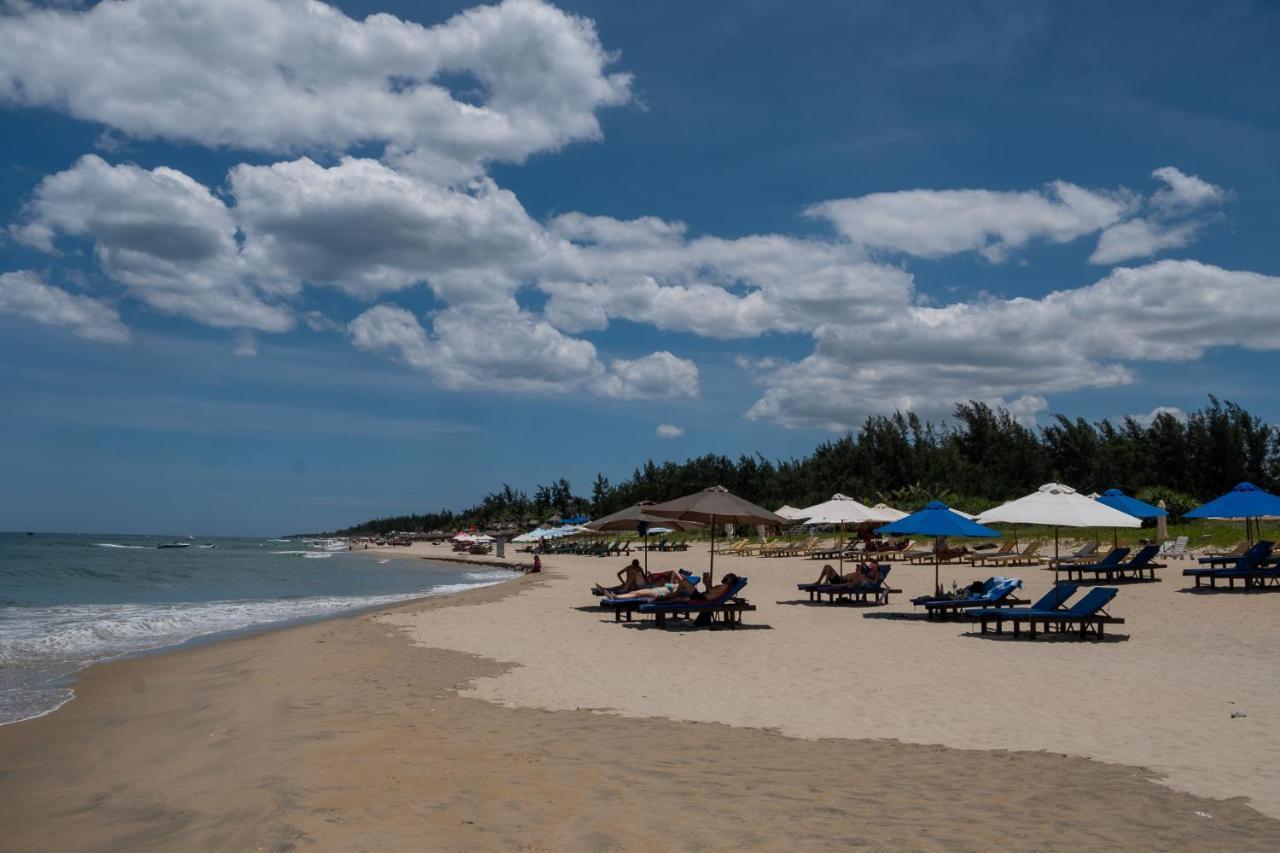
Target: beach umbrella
x,y
1056,505
1246,501
938,520
712,506
639,519
842,510
1117,499
1162,523
895,514
790,513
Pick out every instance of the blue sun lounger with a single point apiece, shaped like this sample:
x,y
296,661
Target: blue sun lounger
x,y
1248,568
728,605
996,592
1051,600
1141,567
1087,614
846,592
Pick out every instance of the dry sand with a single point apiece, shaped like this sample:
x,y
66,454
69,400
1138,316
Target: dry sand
x,y
344,735
1160,695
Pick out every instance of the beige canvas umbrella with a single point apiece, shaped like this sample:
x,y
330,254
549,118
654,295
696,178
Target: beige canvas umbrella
x,y
1056,505
842,510
712,506
638,518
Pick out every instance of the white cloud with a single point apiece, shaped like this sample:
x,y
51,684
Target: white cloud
x,y
1149,417
1171,223
927,359
1184,191
367,229
669,431
934,223
646,271
514,350
491,83
245,345
160,233
657,375
1140,238
23,294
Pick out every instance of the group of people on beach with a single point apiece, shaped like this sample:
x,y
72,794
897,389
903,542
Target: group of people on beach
x,y
681,585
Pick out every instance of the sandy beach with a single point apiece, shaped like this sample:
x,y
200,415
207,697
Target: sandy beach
x,y
518,717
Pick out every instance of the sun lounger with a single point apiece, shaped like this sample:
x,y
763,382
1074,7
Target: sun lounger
x,y
729,606
1251,569
1141,567
1087,614
1027,556
1228,560
850,592
1086,554
996,592
1226,556
1174,549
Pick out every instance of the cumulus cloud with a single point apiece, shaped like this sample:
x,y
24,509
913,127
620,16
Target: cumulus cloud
x,y
514,351
934,223
646,271
491,83
1172,221
1182,191
659,374
23,294
368,229
669,431
1148,418
1013,351
164,235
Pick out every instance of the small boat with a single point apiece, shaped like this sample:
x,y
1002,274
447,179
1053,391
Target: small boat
x,y
174,545
207,545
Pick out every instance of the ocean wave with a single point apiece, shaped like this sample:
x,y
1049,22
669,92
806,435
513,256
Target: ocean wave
x,y
292,552
323,556
495,575
87,633
115,545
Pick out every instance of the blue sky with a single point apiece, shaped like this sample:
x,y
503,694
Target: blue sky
x,y
266,268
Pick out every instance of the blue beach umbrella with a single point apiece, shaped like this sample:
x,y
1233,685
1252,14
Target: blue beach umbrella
x,y
936,519
1117,499
1245,501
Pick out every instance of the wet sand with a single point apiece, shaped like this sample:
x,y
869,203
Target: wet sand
x,y
344,735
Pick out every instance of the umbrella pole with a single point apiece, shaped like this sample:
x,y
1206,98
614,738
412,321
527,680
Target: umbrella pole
x,y
711,572
937,584
646,552
840,556
1055,556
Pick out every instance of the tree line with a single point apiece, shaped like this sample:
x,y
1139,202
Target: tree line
x,y
983,457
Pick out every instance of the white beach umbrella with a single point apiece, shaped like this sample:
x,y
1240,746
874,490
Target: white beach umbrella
x,y
842,510
790,513
1056,505
896,514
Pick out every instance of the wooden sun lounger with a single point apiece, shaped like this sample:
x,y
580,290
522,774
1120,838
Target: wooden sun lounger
x,y
1142,567
729,607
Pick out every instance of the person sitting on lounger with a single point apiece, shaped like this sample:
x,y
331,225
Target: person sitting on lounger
x,y
631,578
683,585
863,574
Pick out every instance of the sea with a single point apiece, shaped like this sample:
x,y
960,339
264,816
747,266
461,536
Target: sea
x,y
68,601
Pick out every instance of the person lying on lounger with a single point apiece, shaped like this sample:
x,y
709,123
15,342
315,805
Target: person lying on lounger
x,y
864,574
631,578
944,552
683,585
